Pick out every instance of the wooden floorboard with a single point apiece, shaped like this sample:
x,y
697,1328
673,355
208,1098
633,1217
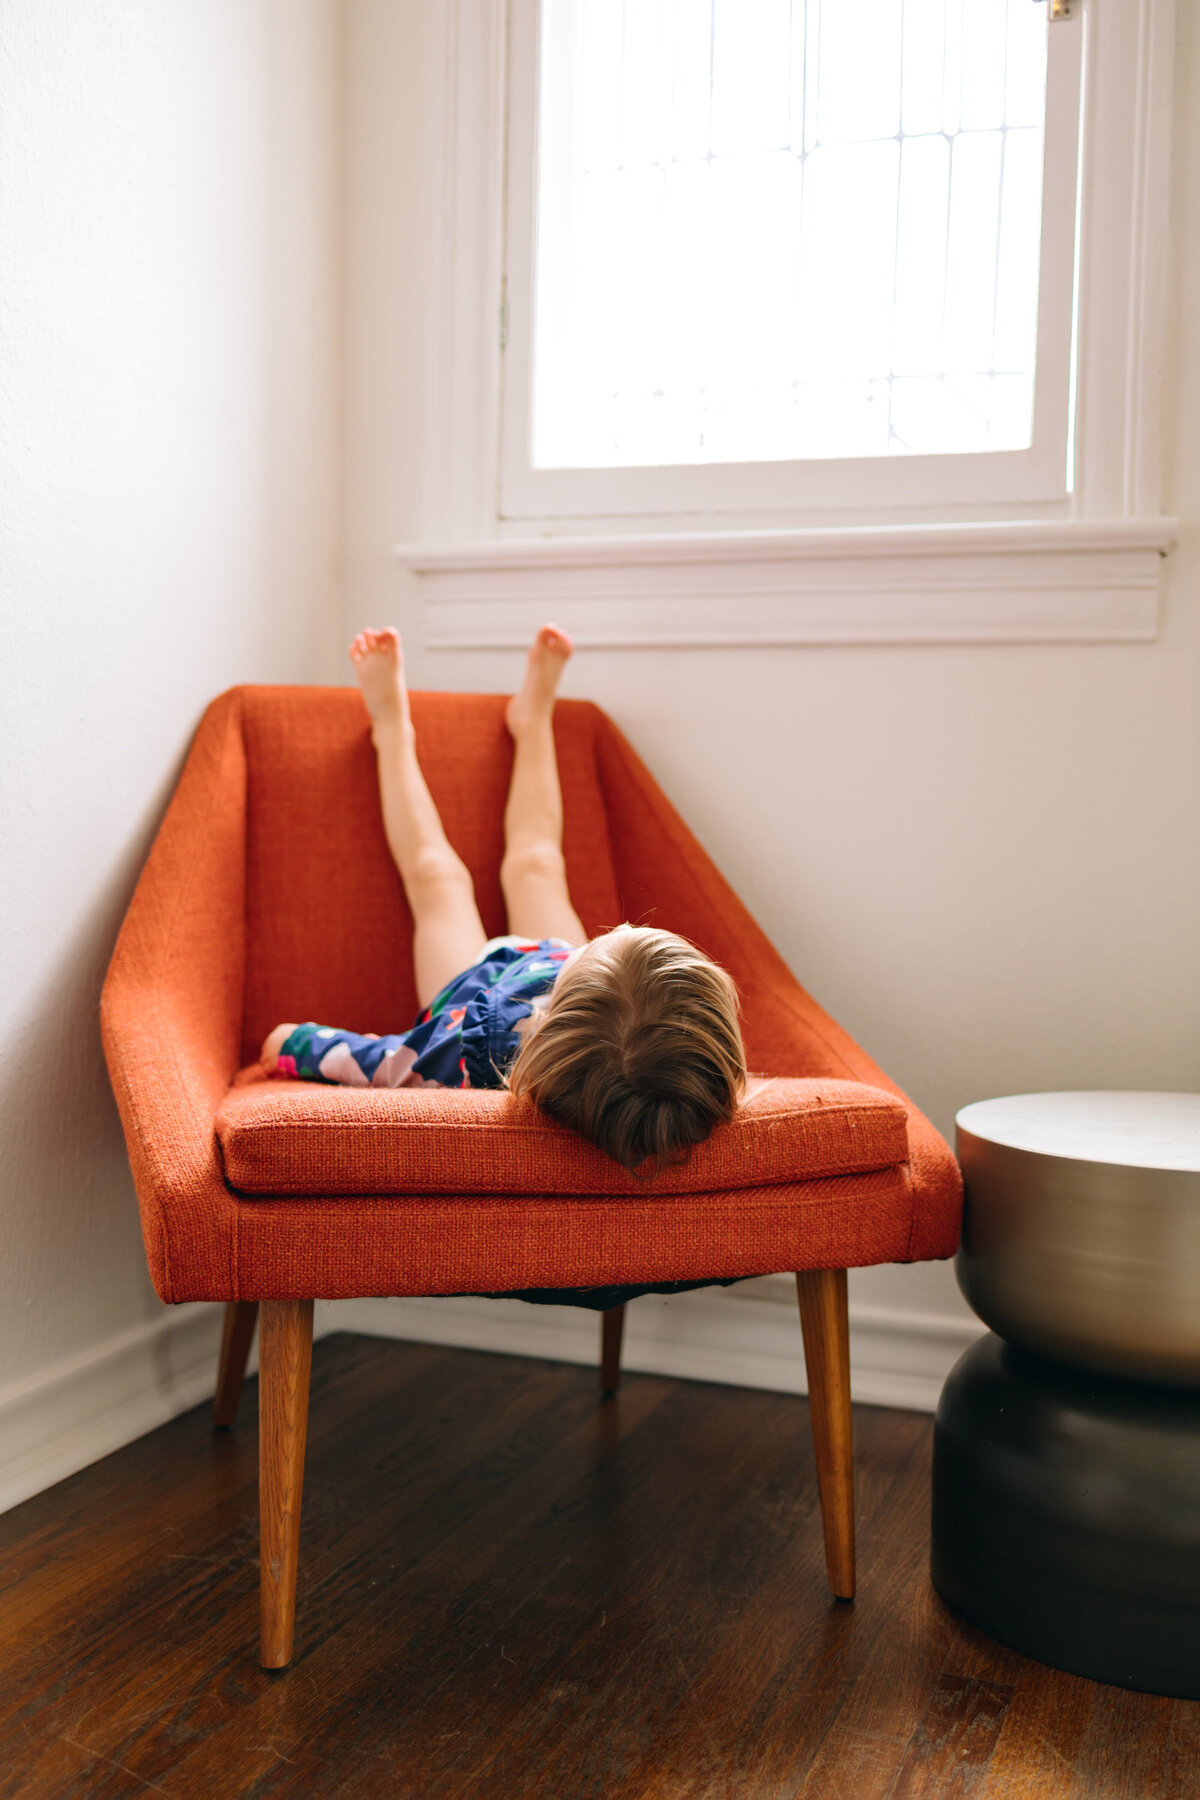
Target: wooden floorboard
x,y
510,1589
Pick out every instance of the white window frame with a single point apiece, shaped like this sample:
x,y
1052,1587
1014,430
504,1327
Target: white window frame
x,y
1082,565
810,489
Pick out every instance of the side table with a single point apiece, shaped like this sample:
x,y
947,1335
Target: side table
x,y
1066,1477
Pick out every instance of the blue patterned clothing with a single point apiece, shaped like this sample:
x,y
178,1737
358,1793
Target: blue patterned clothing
x,y
467,1038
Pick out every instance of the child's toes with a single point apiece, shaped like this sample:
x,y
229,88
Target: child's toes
x,y
371,643
553,637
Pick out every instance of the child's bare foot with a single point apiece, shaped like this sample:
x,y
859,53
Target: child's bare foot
x,y
547,660
379,664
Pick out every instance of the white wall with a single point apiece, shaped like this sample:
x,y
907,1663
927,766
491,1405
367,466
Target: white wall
x,y
984,861
168,487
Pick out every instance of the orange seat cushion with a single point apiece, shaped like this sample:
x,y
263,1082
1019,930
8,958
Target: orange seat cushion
x,y
303,1138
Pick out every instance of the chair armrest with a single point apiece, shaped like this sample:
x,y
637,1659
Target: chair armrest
x,y
171,1014
666,878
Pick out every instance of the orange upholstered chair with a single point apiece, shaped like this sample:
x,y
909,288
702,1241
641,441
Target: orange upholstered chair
x,y
270,894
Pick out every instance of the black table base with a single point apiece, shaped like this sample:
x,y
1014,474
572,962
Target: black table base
x,y
1066,1517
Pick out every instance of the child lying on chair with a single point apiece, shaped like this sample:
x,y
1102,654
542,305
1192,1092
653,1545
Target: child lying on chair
x,y
630,1038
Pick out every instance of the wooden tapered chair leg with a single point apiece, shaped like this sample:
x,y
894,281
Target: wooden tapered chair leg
x,y
612,1328
237,1334
284,1361
826,1328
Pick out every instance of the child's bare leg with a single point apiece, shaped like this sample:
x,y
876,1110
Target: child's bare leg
x,y
532,874
448,933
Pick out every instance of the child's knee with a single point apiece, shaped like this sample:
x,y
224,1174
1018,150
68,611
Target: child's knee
x,y
540,860
436,870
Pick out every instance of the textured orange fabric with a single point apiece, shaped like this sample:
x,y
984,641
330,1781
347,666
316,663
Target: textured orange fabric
x,y
339,1248
171,1014
269,894
296,1137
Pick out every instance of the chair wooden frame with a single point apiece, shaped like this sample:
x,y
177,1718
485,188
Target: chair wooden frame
x,y
285,1356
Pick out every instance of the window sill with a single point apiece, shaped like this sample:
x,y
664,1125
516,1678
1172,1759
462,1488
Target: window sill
x,y
1021,582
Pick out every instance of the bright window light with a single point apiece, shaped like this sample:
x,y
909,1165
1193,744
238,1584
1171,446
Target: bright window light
x,y
770,230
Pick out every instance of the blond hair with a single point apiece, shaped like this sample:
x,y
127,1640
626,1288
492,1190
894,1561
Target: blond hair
x,y
638,1049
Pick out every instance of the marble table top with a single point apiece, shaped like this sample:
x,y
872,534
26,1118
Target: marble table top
x,y
1136,1130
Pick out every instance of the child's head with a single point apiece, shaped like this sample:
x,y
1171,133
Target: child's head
x,y
639,1047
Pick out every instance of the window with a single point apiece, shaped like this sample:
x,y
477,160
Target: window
x,y
788,254
955,468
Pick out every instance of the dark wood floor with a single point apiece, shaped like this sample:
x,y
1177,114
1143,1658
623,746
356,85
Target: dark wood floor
x,y
508,1590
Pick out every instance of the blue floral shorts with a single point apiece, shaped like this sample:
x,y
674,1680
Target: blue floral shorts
x,y
467,1038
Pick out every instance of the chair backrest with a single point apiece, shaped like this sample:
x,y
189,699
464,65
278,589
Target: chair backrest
x,y
328,931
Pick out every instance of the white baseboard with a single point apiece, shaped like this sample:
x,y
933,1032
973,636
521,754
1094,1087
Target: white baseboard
x,y
78,1410
65,1417
747,1336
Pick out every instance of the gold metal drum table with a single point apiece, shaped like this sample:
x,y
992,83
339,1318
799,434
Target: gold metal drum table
x,y
1066,1505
